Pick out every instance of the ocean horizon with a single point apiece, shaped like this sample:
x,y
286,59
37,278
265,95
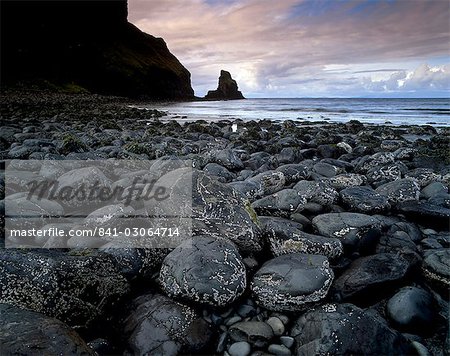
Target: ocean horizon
x,y
394,111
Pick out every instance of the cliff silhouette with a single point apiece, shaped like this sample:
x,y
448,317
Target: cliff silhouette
x,y
87,44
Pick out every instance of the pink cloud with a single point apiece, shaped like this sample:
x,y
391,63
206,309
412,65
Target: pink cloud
x,y
266,43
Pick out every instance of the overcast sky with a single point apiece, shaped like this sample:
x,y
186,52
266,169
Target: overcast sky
x,y
307,48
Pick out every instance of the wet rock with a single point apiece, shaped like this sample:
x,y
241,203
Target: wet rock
x,y
222,174
287,237
339,329
204,270
370,276
292,282
426,214
423,176
287,341
395,241
420,349
222,342
326,169
241,348
399,191
79,179
158,325
328,151
268,182
109,216
412,310
436,269
74,287
226,158
316,192
347,180
391,145
340,164
279,350
25,332
442,200
245,310
281,203
294,172
289,155
27,213
8,132
135,262
405,153
22,152
364,200
386,173
378,159
256,333
347,227
246,188
409,228
345,146
430,243
219,210
100,346
276,324
232,320
433,189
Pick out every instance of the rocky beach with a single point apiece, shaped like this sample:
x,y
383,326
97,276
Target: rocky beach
x,y
307,238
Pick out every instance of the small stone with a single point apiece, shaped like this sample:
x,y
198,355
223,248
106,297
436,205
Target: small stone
x,y
287,341
436,269
250,263
241,348
276,325
245,310
420,349
100,346
222,343
255,332
233,320
433,189
226,313
216,319
412,310
284,318
204,270
430,244
279,350
292,282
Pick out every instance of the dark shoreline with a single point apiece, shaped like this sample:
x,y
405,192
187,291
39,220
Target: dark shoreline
x,y
370,204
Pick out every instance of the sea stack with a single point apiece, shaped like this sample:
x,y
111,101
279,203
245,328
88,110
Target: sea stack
x,y
226,90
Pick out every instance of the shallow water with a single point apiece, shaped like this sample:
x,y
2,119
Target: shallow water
x,y
434,112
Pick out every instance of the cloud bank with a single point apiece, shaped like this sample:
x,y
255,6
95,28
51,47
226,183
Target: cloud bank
x,y
307,48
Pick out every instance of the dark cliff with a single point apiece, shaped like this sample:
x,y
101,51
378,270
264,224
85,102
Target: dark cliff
x,y
89,44
226,90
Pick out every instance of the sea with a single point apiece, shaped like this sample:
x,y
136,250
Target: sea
x,y
435,112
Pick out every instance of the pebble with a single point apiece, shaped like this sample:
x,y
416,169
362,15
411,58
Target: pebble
x,y
222,343
280,350
241,348
245,310
287,341
276,325
232,320
412,310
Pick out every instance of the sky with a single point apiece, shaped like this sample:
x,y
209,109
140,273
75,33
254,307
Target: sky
x,y
307,48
